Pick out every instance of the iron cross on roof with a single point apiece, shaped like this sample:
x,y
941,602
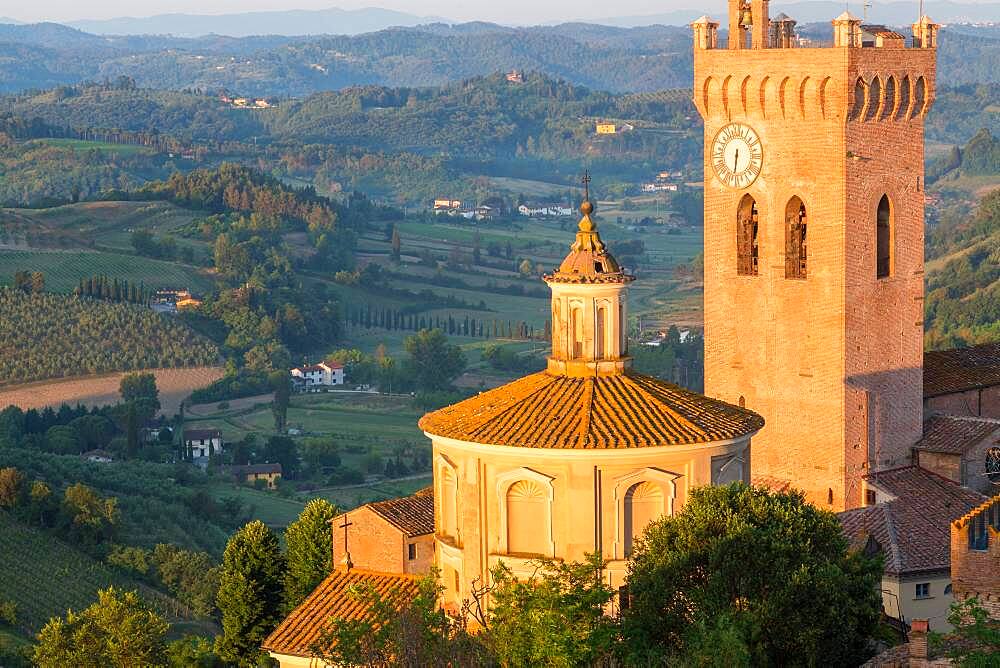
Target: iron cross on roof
x,y
586,184
347,553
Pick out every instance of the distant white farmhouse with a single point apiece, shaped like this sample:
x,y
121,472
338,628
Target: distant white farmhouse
x,y
202,443
316,376
540,210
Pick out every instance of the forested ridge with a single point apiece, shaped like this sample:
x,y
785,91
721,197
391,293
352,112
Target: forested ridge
x,y
962,304
611,58
52,336
405,143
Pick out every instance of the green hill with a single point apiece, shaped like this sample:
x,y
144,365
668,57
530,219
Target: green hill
x,y
979,157
486,118
51,336
962,303
44,577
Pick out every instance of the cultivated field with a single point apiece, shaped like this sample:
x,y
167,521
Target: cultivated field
x,y
86,145
70,578
174,385
63,269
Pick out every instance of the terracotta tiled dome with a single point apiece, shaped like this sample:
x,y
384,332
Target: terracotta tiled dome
x,y
626,410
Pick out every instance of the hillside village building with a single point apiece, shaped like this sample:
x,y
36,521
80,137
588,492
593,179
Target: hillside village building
x,y
202,443
268,474
317,376
907,520
814,349
394,536
964,381
975,556
964,450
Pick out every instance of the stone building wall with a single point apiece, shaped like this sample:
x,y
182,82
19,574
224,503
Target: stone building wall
x,y
976,573
983,402
579,497
376,545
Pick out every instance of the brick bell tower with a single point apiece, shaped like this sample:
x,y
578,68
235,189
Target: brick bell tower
x,y
814,217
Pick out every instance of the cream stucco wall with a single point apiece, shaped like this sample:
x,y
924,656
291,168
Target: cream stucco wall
x,y
899,597
578,505
289,661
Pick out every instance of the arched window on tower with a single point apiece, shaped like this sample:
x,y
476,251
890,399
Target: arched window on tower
x,y
643,504
527,518
904,98
795,239
449,502
883,239
576,332
747,226
600,333
860,98
622,331
874,98
889,98
919,97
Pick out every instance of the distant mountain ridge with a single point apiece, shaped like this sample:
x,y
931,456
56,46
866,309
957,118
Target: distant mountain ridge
x,y
333,21
616,59
891,13
337,21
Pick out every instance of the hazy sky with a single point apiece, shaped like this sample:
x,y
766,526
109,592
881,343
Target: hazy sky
x,y
505,11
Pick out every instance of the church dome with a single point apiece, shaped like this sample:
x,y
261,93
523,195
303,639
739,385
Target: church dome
x,y
626,410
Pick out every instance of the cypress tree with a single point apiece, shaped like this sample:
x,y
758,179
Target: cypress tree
x,y
308,551
250,593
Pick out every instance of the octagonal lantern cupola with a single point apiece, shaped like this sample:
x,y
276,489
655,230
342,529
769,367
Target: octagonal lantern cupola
x,y
589,305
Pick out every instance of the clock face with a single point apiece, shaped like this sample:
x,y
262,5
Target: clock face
x,y
737,155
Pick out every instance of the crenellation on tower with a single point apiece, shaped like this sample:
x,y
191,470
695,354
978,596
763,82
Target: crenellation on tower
x,y
814,240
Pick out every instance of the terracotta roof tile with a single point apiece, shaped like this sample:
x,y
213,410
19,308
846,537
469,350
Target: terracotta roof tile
x,y
605,412
960,369
247,469
914,528
881,31
336,598
947,433
414,514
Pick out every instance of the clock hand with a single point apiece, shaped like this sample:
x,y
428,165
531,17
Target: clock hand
x,y
736,160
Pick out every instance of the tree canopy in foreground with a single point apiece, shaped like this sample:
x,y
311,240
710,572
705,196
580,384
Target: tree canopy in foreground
x,y
767,576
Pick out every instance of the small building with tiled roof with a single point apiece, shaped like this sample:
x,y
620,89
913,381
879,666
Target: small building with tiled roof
x,y
341,596
393,536
963,381
580,457
975,556
963,449
200,444
908,519
314,377
269,474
